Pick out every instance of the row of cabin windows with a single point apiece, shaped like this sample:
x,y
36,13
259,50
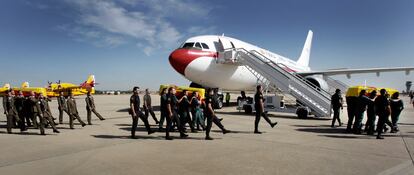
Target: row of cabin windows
x,y
196,45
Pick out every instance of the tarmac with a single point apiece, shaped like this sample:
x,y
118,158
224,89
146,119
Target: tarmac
x,y
294,146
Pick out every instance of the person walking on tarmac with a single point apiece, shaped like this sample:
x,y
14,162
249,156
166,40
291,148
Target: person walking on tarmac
x,y
62,106
336,105
37,113
198,118
184,106
148,107
361,106
258,104
172,110
10,110
73,111
136,113
397,106
19,103
45,111
370,124
90,107
351,106
383,110
210,115
163,111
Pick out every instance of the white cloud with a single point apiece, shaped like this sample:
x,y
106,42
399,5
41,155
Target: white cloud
x,y
145,23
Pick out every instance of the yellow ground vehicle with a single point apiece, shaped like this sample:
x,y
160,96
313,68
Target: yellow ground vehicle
x,y
179,89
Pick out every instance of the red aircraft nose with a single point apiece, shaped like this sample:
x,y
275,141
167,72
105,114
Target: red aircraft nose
x,y
181,58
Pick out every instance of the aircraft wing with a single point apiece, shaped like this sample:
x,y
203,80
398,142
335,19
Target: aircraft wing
x,y
348,72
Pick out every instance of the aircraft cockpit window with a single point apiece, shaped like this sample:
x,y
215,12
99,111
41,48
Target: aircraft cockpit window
x,y
198,45
188,45
204,46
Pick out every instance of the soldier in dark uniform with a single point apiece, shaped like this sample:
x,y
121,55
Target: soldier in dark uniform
x,y
370,124
148,107
62,106
10,110
351,106
172,110
336,104
73,111
45,110
210,115
28,112
184,105
90,107
361,106
37,113
383,110
258,104
136,113
163,111
19,103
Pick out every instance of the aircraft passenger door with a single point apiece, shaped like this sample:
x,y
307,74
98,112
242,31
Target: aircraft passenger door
x,y
225,50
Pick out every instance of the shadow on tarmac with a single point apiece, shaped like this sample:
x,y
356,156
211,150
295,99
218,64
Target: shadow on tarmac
x,y
155,108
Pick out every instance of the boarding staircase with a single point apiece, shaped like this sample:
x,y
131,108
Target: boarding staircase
x,y
273,76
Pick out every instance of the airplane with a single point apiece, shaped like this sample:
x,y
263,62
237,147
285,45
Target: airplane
x,y
197,60
53,89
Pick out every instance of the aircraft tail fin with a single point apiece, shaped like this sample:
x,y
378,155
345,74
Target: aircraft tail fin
x,y
304,57
25,84
90,82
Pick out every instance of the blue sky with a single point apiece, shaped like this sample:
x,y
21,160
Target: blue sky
x,y
127,42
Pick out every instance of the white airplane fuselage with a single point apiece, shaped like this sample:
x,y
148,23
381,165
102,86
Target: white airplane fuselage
x,y
196,60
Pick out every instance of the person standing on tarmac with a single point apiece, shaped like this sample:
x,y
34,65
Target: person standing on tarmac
x,y
383,110
370,124
19,103
73,111
361,106
62,106
210,115
45,111
10,110
90,107
227,99
172,110
136,113
184,105
397,106
37,113
198,118
148,107
336,105
258,104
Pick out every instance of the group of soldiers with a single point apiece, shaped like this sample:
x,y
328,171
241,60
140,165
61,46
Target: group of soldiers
x,y
188,109
34,111
376,105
